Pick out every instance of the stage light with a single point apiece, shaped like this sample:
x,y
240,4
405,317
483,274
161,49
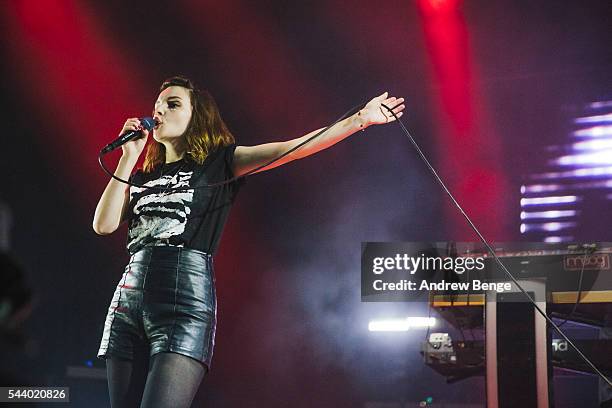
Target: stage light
x,y
598,144
601,157
432,7
600,104
594,131
388,325
558,239
547,214
420,322
405,324
548,226
607,118
463,120
585,172
581,163
540,188
548,200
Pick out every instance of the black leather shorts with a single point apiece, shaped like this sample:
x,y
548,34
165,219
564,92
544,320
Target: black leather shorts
x,y
165,300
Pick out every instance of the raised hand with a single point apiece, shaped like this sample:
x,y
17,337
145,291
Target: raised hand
x,y
134,147
374,113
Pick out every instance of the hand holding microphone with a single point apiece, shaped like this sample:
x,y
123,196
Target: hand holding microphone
x,y
133,136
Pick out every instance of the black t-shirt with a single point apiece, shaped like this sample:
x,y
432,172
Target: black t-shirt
x,y
192,218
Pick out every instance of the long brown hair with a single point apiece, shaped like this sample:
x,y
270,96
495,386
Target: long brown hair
x,y
205,132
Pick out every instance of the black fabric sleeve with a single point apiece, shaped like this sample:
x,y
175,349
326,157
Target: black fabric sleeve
x,y
229,162
228,155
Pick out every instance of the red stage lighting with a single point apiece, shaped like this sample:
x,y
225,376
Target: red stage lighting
x,y
436,7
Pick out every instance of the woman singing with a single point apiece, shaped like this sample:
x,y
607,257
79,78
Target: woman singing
x,y
166,297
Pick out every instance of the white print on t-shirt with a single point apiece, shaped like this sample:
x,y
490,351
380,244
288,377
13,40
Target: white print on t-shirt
x,y
175,206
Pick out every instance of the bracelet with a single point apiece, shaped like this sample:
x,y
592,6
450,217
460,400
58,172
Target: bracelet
x,y
360,123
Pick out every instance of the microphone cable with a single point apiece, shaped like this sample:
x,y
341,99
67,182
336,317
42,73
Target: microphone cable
x,y
492,251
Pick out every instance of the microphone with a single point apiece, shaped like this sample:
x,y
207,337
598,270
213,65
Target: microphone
x,y
147,123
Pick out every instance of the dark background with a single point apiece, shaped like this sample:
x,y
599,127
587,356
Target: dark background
x,y
487,85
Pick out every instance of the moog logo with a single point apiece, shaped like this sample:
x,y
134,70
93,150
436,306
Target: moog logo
x,y
591,262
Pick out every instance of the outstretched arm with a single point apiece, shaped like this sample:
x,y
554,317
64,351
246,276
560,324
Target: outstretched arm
x,y
250,157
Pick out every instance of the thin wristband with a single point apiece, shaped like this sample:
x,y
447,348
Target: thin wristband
x,y
360,122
